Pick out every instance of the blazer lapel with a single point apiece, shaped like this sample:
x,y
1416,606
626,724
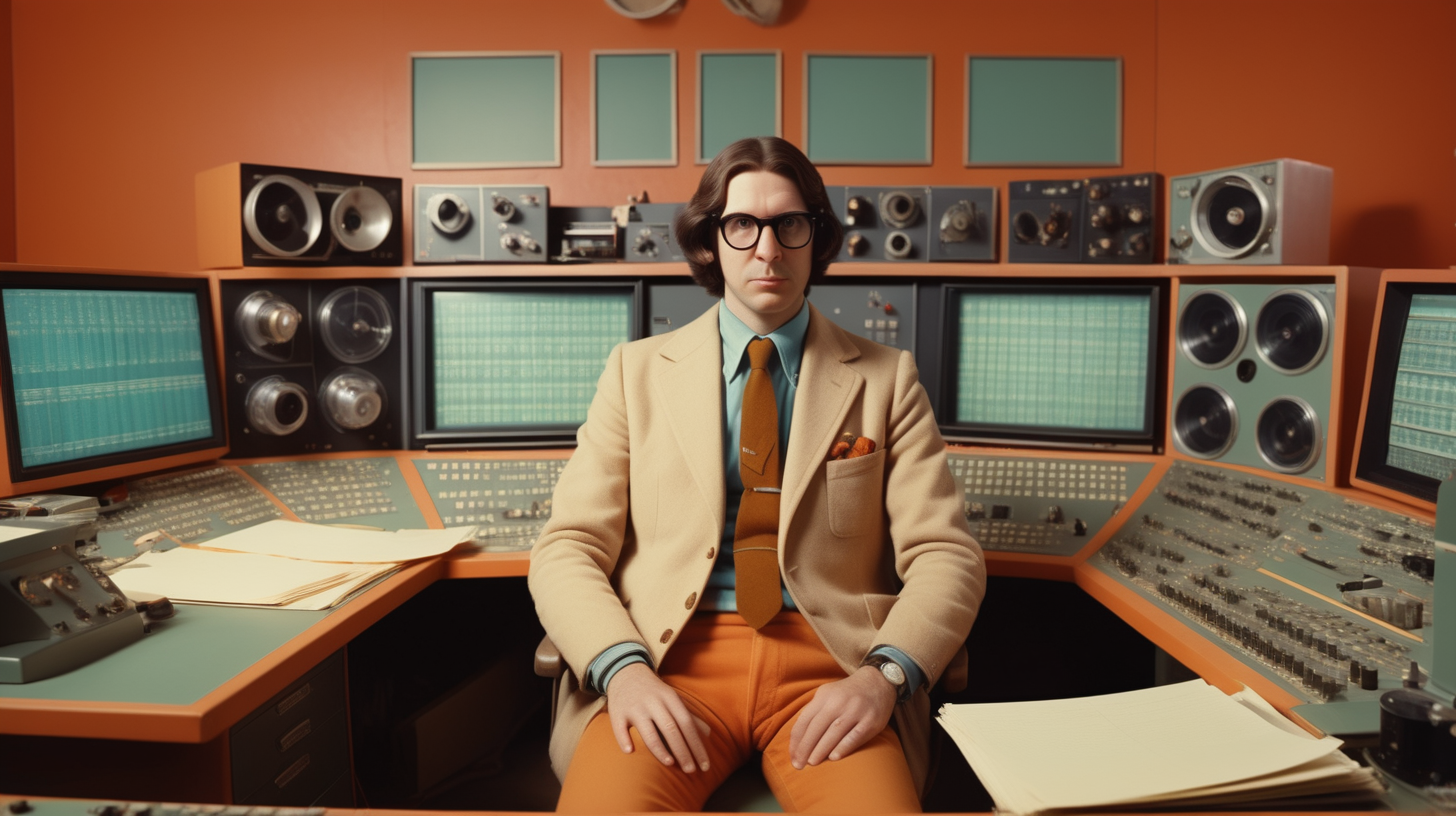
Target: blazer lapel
x,y
689,385
827,388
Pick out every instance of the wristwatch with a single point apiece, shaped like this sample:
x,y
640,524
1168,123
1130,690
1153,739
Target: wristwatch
x,y
893,673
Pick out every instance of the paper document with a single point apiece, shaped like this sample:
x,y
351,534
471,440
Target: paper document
x,y
188,574
320,542
1176,742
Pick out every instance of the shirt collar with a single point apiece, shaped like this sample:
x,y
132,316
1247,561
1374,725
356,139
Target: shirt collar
x,y
788,342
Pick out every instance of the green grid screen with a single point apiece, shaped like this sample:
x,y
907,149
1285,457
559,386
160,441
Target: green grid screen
x,y
1423,412
104,372
1054,360
522,358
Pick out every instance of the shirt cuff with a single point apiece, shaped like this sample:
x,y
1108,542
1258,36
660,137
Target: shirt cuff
x,y
612,660
914,677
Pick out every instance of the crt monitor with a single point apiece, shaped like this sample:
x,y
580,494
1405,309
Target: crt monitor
x,y
105,376
1045,363
1407,441
509,364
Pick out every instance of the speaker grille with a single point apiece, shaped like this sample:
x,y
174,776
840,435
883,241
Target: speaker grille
x,y
282,216
1205,422
1288,435
1232,216
1212,329
1292,331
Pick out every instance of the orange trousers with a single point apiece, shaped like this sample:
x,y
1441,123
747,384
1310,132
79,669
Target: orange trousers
x,y
749,687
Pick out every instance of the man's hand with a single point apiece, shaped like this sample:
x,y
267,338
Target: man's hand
x,y
842,716
637,698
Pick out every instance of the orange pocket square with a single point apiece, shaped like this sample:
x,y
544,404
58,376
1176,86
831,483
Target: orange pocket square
x,y
849,446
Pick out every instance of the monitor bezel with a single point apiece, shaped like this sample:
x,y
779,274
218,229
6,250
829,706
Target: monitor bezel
x,y
1147,439
126,463
1370,470
423,434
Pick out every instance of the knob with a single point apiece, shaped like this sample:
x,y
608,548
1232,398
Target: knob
x,y
644,245
1181,239
1138,244
1055,227
510,242
276,406
1097,191
448,213
1104,218
857,211
858,245
352,399
1137,215
503,207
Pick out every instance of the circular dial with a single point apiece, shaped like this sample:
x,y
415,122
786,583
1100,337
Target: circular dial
x,y
1292,331
267,321
1205,421
1212,329
1289,435
356,324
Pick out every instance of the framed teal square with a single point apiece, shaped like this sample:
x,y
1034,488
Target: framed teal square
x,y
738,97
868,109
486,109
634,108
1044,112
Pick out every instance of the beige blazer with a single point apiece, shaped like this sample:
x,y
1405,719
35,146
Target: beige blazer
x,y
874,550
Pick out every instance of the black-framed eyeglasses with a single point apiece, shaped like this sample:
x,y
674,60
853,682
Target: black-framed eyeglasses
x,y
791,229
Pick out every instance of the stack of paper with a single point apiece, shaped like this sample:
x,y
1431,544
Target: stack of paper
x,y
1182,745
281,564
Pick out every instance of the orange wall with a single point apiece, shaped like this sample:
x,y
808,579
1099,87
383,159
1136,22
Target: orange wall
x,y
119,103
7,140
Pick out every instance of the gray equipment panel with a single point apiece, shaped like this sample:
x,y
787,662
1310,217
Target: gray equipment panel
x,y
883,312
480,223
508,500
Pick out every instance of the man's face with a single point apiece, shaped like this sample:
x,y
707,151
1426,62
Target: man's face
x,y
764,284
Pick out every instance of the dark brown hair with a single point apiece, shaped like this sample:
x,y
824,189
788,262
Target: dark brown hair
x,y
696,227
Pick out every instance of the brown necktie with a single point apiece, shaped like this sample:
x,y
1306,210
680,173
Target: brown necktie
x,y
756,536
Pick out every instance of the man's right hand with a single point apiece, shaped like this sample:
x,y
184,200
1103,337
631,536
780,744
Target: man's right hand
x,y
637,698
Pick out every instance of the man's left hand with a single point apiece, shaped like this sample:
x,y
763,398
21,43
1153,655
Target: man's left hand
x,y
842,716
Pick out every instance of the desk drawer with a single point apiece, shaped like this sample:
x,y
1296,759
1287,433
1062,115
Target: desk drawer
x,y
292,737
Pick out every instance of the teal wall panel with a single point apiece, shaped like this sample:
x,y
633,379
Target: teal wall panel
x,y
486,110
1039,112
738,97
635,100
868,109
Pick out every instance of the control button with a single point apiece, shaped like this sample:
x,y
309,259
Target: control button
x,y
692,600
666,635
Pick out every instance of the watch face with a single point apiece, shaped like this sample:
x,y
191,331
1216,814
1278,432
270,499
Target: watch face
x,y
893,673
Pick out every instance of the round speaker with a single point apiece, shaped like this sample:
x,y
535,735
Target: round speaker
x,y
276,406
1232,216
1292,330
360,219
282,216
352,399
1212,329
266,321
1288,435
1205,421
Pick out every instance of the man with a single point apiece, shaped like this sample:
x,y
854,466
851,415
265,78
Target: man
x,y
658,575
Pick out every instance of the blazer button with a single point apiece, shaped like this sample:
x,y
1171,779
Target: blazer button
x,y
692,599
712,551
667,635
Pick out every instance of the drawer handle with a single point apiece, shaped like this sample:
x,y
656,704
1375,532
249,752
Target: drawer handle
x,y
295,698
293,771
295,734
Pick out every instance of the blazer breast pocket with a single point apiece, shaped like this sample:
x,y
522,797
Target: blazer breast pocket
x,y
856,489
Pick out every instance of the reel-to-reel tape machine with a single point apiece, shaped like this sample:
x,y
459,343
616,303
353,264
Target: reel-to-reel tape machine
x,y
1275,212
257,215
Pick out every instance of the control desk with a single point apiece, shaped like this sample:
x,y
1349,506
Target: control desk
x,y
1236,576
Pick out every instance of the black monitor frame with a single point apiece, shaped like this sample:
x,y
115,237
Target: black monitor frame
x,y
939,338
1371,457
424,435
123,463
